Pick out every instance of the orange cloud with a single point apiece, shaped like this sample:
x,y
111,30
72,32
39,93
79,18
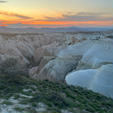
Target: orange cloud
x,y
80,19
59,23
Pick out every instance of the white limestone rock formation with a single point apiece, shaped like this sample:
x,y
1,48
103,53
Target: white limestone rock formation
x,y
99,80
57,69
94,53
99,54
66,61
90,63
95,70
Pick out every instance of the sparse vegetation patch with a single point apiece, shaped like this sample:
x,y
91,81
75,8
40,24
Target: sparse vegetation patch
x,y
25,95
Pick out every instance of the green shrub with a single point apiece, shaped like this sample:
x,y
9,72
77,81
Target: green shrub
x,y
56,96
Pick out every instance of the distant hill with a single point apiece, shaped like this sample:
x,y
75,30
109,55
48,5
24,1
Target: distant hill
x,y
62,29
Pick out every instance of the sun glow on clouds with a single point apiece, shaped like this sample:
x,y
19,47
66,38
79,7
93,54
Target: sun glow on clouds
x,y
63,20
28,15
39,24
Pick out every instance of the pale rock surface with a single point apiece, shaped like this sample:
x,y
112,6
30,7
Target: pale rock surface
x,y
66,61
39,53
100,53
33,71
99,80
90,62
58,68
29,47
81,77
94,53
77,49
48,50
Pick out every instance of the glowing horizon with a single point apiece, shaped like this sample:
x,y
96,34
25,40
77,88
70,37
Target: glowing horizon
x,y
56,13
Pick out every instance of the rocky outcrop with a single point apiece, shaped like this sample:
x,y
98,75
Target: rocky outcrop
x,y
87,63
27,48
95,69
58,68
99,54
76,58
67,60
99,80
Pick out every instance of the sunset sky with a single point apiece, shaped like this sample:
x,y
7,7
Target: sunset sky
x,y
56,13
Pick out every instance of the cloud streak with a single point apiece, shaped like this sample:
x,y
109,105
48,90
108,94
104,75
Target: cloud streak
x,y
15,15
82,16
2,1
